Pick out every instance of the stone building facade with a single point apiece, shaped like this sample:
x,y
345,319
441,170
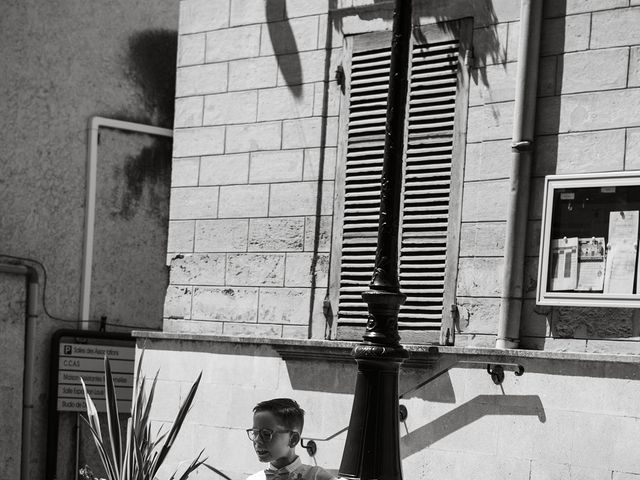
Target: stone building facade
x,y
264,133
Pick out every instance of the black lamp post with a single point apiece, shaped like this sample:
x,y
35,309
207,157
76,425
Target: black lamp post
x,y
372,450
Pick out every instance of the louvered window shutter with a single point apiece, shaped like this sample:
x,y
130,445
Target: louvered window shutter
x,y
427,184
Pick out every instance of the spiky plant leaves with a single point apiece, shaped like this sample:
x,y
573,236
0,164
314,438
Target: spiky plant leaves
x,y
113,416
141,456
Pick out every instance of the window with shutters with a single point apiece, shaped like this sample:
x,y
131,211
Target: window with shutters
x,y
432,182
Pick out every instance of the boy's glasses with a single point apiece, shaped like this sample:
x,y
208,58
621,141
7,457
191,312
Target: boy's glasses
x,y
265,433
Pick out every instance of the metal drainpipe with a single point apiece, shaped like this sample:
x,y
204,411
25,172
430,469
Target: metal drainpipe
x,y
522,147
29,360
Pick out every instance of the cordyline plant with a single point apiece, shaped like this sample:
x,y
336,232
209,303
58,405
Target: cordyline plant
x,y
141,456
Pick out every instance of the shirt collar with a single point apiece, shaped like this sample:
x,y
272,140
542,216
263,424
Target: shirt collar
x,y
287,468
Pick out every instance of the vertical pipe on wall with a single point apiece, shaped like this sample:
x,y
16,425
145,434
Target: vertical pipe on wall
x,y
519,180
29,361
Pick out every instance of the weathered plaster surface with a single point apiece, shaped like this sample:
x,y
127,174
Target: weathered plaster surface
x,y
63,62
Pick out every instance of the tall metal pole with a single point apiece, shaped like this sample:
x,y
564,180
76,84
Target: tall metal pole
x,y
372,450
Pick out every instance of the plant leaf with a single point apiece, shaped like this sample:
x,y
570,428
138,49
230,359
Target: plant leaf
x,y
215,470
113,419
177,425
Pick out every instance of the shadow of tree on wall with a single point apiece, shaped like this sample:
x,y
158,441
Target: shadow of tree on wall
x,y
284,45
151,64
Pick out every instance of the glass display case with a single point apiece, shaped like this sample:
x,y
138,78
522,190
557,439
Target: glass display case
x,y
589,240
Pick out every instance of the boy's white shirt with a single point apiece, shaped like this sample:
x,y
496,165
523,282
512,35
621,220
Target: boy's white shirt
x,y
280,473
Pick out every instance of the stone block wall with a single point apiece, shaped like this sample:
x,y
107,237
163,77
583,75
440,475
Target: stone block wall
x,y
257,126
253,170
565,418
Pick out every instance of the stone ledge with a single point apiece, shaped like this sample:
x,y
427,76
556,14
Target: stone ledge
x,y
422,356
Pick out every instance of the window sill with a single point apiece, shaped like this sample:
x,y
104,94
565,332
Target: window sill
x,y
421,356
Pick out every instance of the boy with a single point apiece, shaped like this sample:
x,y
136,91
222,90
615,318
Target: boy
x,y
277,425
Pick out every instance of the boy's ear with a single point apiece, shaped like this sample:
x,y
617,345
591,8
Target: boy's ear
x,y
295,438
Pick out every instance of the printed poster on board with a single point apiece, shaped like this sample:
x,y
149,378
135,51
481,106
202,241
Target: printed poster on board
x,y
622,250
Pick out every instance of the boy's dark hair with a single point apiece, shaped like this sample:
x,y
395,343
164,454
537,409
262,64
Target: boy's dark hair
x,y
286,410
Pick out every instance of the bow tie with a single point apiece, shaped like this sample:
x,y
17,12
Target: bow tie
x,y
282,474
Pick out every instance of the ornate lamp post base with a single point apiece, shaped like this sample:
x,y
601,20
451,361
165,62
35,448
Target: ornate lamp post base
x,y
372,449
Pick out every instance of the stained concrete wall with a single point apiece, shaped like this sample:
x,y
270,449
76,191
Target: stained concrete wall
x,y
565,418
63,62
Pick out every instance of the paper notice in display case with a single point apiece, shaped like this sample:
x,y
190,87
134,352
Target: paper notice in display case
x,y
622,250
564,264
591,264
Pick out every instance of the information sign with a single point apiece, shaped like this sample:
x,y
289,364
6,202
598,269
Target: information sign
x,y
86,361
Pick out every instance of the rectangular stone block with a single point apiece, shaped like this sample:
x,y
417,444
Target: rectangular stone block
x,y
290,36
200,327
562,35
308,132
594,70
276,166
588,111
324,33
224,169
276,234
252,137
225,304
484,239
253,73
485,201
480,277
308,67
327,98
233,43
632,150
634,67
479,315
495,83
191,49
194,142
188,112
198,269
301,198
221,235
306,270
259,269
295,331
227,108
488,160
252,330
580,152
244,201
320,163
534,322
203,15
301,8
285,103
201,79
490,45
490,122
184,172
284,306
317,233
177,302
615,28
180,236
547,73
553,8
244,12
193,203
